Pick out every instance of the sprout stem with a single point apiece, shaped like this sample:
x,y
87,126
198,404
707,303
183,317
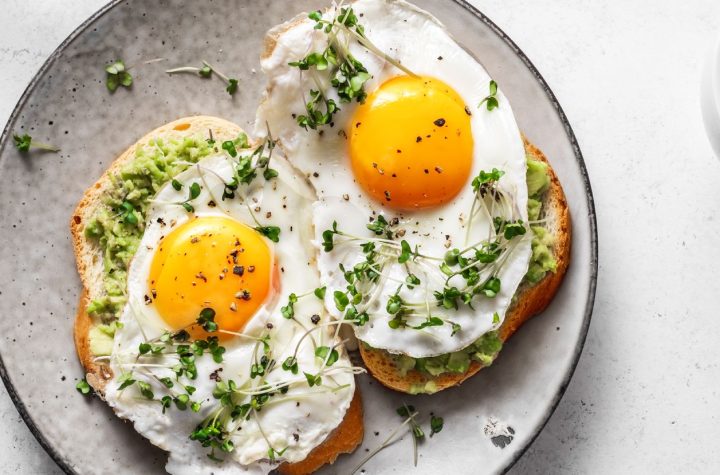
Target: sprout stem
x,y
184,69
386,443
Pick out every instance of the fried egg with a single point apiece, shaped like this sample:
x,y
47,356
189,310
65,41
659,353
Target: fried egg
x,y
408,152
206,252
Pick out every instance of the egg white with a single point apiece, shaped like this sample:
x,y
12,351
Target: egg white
x,y
307,415
422,44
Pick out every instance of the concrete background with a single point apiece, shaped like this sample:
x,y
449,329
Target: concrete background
x,y
644,398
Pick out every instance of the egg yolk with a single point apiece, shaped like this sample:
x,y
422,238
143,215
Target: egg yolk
x,y
210,262
411,144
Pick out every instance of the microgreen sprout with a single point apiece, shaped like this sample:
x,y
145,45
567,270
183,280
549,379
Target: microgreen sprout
x,y
416,431
288,311
248,165
270,232
381,226
347,75
436,424
387,442
327,354
145,348
320,292
207,320
125,380
512,229
402,310
232,84
273,454
25,142
206,72
429,322
117,75
395,306
490,100
328,237
83,387
347,22
406,252
316,117
407,411
210,140
229,147
127,213
193,192
262,367
313,379
486,180
412,280
290,364
146,390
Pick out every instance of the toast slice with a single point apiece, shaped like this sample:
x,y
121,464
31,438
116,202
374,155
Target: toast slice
x,y
530,299
89,260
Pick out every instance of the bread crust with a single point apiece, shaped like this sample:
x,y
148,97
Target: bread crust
x,y
97,374
344,439
530,299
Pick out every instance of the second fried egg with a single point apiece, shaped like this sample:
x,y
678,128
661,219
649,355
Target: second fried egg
x,y
408,153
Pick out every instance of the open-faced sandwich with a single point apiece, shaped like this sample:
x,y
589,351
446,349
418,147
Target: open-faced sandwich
x,y
189,248
390,198
439,229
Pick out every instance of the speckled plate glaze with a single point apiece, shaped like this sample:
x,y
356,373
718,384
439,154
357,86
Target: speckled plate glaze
x,y
489,421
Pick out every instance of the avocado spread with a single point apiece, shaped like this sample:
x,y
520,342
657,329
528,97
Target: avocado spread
x,y
542,259
118,224
486,348
101,338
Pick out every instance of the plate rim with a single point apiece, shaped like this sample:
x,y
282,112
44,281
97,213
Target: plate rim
x,y
592,221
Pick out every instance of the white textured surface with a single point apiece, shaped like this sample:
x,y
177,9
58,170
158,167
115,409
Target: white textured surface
x,y
644,398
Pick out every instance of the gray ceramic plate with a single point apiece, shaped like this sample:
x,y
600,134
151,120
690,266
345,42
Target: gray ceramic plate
x,y
489,421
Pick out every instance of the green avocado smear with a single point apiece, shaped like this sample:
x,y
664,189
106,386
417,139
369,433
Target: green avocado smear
x,y
542,260
119,222
485,349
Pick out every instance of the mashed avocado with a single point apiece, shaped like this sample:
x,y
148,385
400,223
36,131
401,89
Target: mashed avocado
x,y
542,259
538,180
428,387
484,350
101,338
118,224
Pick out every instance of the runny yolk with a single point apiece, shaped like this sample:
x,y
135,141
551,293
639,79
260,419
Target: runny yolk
x,y
411,144
210,262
